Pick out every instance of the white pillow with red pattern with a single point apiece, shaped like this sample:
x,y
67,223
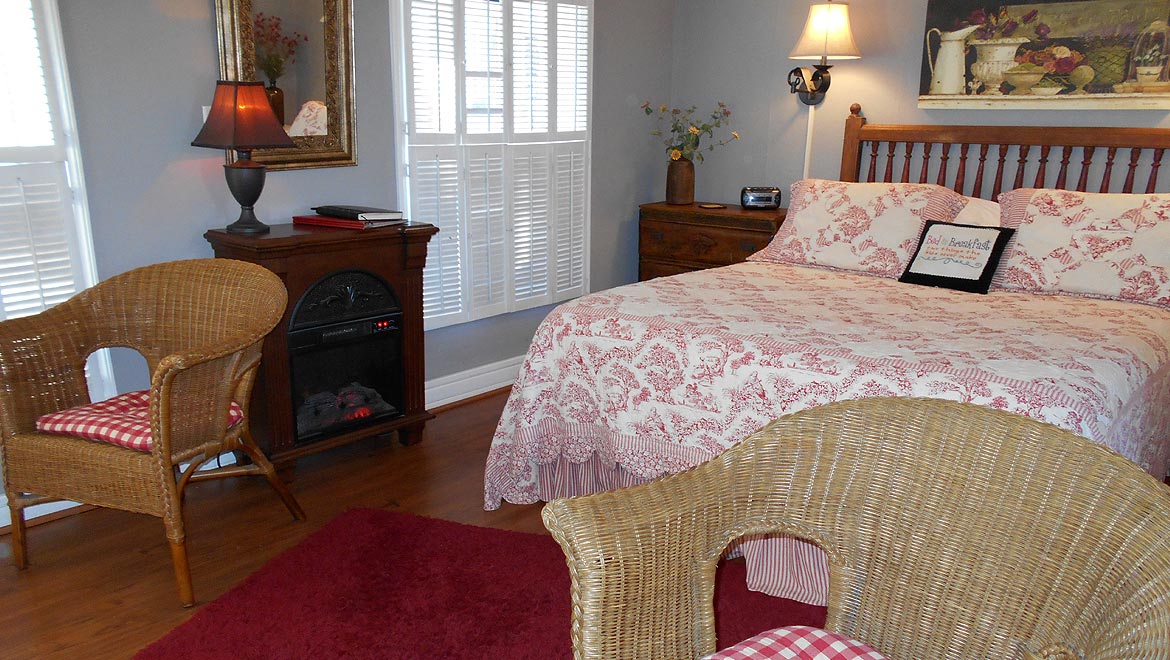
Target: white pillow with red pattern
x,y
1104,245
871,228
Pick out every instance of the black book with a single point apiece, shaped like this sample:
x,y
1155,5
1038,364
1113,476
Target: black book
x,y
357,212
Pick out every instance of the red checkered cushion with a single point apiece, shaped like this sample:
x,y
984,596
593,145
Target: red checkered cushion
x,y
122,420
798,643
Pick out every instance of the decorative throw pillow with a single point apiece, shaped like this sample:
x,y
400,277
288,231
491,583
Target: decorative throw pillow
x,y
978,211
956,256
798,643
866,227
1096,244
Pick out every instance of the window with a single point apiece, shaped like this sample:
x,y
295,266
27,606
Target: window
x,y
495,107
46,254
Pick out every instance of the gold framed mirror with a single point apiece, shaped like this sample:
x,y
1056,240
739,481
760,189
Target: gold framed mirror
x,y
314,83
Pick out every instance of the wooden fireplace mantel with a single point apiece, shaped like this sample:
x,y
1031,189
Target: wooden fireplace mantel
x,y
301,256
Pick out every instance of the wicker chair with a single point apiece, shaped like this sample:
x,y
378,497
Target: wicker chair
x,y
951,530
199,324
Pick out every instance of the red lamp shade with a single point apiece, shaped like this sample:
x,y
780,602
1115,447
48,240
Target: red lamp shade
x,y
241,118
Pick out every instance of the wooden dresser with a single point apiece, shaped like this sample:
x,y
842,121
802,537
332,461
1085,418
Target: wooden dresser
x,y
678,238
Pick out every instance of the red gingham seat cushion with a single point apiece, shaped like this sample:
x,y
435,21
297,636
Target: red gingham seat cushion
x,y
798,643
122,420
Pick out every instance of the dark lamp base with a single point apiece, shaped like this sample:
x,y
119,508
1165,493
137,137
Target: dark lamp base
x,y
245,178
247,224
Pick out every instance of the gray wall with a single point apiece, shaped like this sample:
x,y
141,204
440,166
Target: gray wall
x,y
142,69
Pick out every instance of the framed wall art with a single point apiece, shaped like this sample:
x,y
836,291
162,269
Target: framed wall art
x,y
1102,54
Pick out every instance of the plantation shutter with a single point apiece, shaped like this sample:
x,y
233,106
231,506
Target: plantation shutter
x,y
496,107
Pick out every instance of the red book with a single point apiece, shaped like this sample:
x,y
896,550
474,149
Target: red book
x,y
343,223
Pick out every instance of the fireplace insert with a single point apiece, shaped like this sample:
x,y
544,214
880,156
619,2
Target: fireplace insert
x,y
345,355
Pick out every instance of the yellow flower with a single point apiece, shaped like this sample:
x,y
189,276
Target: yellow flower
x,y
662,108
694,130
735,134
675,154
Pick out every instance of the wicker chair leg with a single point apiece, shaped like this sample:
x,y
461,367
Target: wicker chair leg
x,y
261,461
182,572
19,541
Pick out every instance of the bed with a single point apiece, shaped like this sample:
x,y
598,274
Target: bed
x,y
627,385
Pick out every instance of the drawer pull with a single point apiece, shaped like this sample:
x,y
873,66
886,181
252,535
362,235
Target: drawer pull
x,y
656,236
749,246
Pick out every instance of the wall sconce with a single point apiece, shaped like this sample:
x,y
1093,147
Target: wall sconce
x,y
826,35
241,118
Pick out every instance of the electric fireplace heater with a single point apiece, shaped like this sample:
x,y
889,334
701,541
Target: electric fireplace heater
x,y
345,355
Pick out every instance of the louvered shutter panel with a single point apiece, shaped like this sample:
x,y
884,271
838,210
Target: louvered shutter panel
x,y
569,220
435,196
25,115
531,206
483,38
432,86
37,255
572,36
487,232
530,66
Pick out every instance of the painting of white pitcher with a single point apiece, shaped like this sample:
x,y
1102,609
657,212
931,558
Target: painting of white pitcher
x,y
948,67
1044,54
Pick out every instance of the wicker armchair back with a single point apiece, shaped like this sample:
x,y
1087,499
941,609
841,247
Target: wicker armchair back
x,y
952,531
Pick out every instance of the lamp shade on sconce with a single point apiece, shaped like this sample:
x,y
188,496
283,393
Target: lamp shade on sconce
x,y
242,119
826,35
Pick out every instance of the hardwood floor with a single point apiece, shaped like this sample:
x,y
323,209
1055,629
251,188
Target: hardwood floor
x,y
100,584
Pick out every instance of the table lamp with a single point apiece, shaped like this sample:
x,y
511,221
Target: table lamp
x,y
242,119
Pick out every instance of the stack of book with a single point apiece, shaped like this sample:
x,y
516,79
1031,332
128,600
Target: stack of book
x,y
351,217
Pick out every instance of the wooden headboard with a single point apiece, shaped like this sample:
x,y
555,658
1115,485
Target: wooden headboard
x,y
983,161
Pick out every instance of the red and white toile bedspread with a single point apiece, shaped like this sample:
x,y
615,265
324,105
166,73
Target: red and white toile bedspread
x,y
626,385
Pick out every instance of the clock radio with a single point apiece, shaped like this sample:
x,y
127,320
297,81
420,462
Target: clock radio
x,y
757,197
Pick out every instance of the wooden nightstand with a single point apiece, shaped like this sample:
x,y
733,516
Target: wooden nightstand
x,y
677,238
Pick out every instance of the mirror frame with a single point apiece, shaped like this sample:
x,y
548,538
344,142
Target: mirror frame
x,y
237,61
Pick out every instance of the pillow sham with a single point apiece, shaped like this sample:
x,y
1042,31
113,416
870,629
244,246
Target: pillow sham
x,y
1104,245
978,211
957,256
866,227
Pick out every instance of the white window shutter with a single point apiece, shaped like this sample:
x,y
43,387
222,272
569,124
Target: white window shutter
x,y
487,231
483,38
530,66
435,199
432,90
26,116
572,38
531,207
569,219
37,254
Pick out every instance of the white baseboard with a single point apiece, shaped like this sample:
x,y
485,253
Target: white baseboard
x,y
439,392
477,380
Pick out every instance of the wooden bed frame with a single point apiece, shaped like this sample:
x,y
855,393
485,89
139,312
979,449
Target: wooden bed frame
x,y
1039,156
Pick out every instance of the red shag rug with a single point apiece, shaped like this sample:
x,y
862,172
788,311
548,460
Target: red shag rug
x,y
379,584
